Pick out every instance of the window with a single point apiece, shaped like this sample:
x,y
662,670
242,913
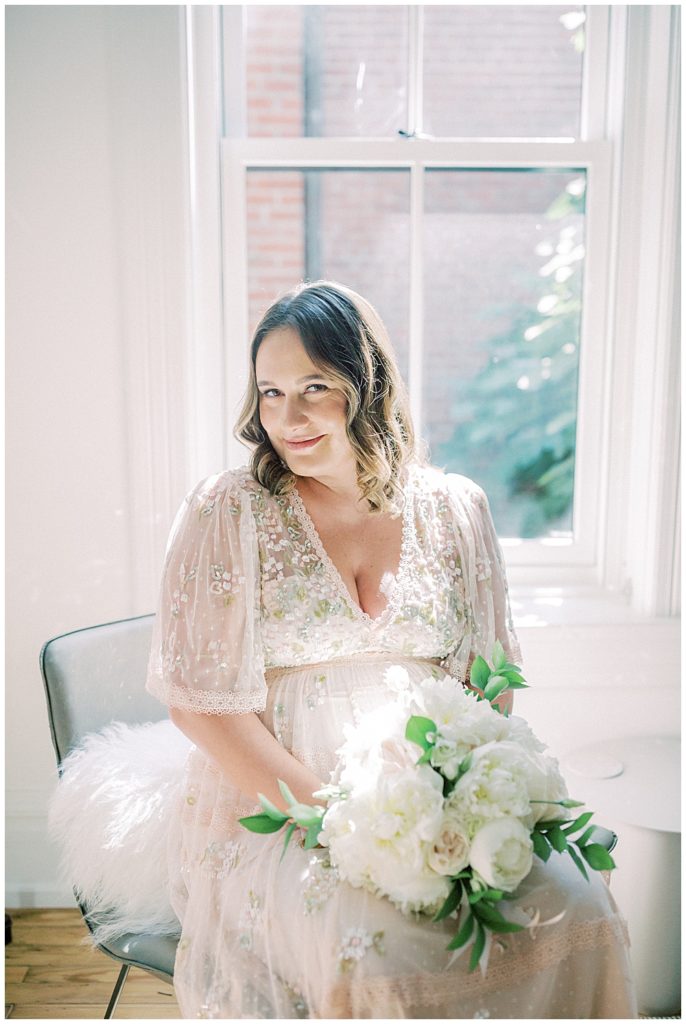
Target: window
x,y
447,163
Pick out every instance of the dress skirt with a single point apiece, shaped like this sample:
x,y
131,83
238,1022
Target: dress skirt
x,y
273,935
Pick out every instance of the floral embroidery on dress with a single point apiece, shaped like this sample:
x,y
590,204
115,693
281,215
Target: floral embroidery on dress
x,y
319,883
220,858
224,583
355,945
250,920
316,697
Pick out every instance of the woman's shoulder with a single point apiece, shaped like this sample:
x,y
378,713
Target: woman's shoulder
x,y
453,486
227,489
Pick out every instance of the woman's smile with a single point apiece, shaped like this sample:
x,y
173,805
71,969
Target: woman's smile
x,y
297,446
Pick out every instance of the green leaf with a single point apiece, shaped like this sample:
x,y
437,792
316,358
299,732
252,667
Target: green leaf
x,y
306,815
597,857
499,658
480,672
464,934
512,676
494,687
578,861
452,902
582,840
270,809
494,920
545,826
478,947
569,803
494,895
476,896
541,846
416,730
578,823
517,685
260,823
286,793
289,832
312,837
557,839
507,667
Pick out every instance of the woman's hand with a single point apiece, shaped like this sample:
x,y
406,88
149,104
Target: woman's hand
x,y
249,755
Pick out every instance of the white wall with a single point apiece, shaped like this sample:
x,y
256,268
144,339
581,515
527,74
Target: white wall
x,y
97,320
96,221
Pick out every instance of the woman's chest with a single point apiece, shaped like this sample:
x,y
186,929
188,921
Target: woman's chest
x,y
327,593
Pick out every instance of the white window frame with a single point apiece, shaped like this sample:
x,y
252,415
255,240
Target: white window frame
x,y
595,567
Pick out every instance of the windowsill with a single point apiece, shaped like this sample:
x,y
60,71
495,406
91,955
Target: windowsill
x,y
536,607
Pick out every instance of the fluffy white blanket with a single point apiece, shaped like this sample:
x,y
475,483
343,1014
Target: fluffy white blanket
x,y
109,816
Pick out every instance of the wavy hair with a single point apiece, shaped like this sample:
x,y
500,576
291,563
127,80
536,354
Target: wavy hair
x,y
344,336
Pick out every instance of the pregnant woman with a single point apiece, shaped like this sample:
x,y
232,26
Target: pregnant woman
x,y
290,586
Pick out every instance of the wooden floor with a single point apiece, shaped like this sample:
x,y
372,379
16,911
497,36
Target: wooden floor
x,y
51,975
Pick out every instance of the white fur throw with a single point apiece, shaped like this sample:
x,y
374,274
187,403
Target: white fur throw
x,y
110,817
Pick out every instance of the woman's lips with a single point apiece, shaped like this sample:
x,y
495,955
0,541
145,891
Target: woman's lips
x,y
296,446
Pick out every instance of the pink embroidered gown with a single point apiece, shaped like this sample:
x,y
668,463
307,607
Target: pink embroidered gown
x,y
253,616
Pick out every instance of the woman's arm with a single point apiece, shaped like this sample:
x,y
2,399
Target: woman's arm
x,y
250,756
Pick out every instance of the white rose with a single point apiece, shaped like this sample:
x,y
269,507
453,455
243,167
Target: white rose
x,y
502,853
450,851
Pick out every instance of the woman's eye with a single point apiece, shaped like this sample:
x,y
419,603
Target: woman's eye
x,y
320,387
269,392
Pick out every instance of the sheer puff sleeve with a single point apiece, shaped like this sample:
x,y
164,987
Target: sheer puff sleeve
x,y
206,653
486,598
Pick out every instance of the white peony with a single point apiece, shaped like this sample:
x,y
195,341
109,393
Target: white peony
x,y
502,853
545,783
449,853
380,838
495,786
522,733
459,716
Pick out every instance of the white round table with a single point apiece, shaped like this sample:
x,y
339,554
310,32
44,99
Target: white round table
x,y
633,785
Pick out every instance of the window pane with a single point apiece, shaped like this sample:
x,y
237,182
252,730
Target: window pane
x,y
347,226
504,254
326,70
507,71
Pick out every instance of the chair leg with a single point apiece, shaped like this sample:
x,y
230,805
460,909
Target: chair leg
x,y
116,991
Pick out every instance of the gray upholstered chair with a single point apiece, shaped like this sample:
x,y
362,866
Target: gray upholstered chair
x,y
92,677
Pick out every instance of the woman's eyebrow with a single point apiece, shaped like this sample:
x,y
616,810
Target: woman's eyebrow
x,y
301,380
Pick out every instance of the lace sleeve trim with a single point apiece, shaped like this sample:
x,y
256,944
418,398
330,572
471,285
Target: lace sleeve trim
x,y
207,702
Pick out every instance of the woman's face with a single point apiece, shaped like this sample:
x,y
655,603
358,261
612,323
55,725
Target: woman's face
x,y
301,408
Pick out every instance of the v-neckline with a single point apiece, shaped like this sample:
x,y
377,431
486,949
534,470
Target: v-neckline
x,y
334,575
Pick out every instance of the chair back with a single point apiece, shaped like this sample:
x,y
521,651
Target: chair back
x,y
95,676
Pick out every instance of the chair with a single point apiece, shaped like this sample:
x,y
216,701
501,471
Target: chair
x,y
92,677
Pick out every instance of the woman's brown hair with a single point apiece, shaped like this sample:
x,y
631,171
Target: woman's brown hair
x,y
343,335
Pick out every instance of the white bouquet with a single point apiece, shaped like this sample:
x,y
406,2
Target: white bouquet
x,y
455,829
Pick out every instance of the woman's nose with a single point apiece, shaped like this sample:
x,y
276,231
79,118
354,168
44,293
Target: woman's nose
x,y
294,411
